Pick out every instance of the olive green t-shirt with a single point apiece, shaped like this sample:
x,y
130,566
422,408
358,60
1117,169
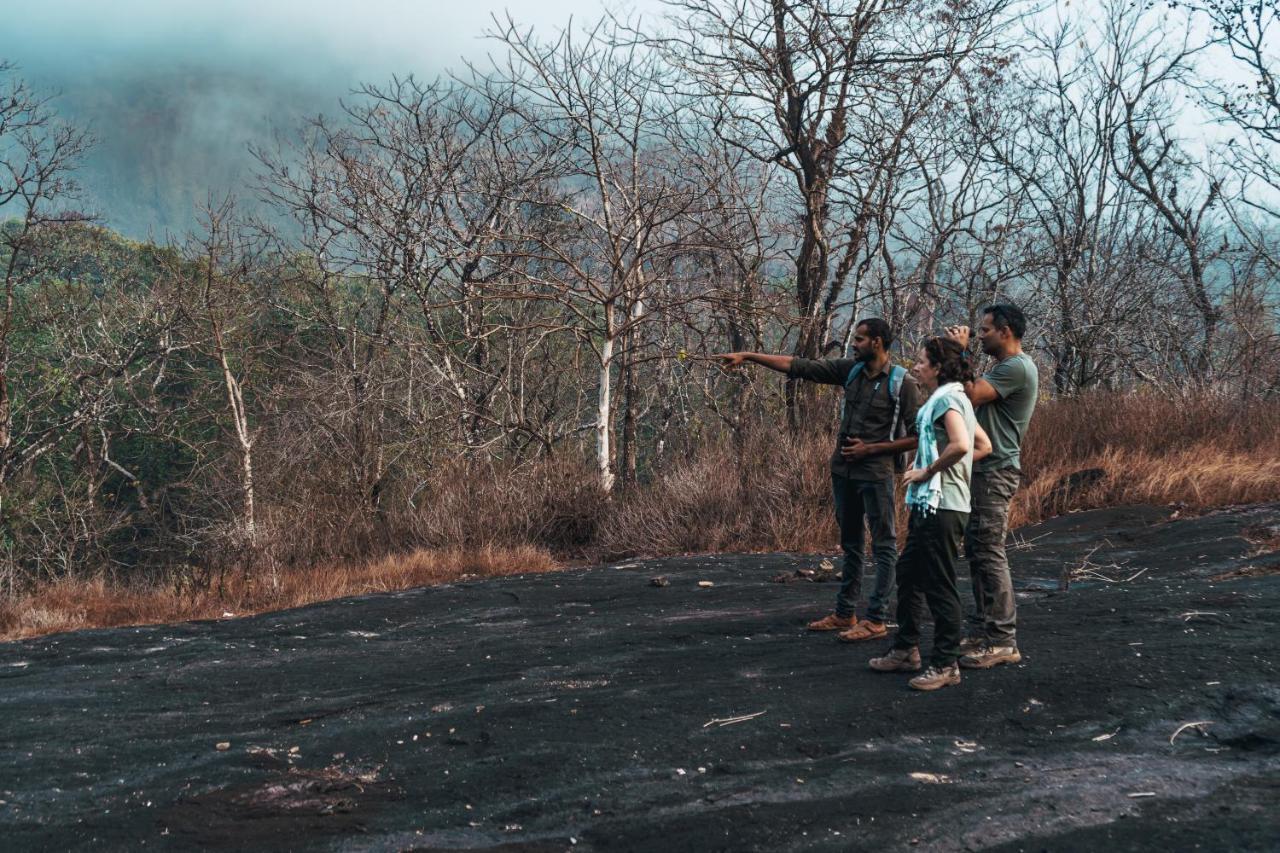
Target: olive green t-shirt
x,y
1017,382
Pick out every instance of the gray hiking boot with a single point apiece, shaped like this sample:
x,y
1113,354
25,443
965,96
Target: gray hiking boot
x,y
936,677
987,656
897,660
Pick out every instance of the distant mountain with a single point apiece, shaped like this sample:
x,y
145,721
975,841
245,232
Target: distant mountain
x,y
169,136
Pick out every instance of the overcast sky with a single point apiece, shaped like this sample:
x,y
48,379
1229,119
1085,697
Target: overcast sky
x,y
175,91
367,36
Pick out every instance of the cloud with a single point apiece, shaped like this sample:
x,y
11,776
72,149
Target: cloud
x,y
372,36
177,91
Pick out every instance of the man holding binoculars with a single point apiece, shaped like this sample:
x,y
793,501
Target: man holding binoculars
x,y
1003,398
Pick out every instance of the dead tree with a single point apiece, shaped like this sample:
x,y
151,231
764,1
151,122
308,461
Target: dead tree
x,y
214,279
1150,160
828,92
620,205
37,156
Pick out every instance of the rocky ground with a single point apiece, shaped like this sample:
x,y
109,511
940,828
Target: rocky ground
x,y
592,710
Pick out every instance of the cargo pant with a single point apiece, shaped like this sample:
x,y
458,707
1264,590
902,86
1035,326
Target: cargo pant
x,y
927,584
872,501
994,610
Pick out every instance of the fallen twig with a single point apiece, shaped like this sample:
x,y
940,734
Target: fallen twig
x,y
1196,725
728,721
1021,544
1191,614
1089,569
1092,571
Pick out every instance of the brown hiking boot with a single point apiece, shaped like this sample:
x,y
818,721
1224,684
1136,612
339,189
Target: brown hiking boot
x,y
988,656
832,622
972,643
897,660
863,630
936,677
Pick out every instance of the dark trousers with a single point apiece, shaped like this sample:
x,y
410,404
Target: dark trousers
x,y
871,501
927,584
994,609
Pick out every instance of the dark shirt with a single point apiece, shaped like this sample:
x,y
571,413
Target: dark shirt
x,y
867,412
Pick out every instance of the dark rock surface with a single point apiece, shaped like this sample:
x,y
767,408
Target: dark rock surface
x,y
579,711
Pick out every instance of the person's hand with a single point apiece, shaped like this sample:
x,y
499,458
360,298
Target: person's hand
x,y
959,334
915,475
854,449
732,360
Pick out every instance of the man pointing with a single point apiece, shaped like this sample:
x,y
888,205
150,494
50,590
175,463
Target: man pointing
x,y
877,424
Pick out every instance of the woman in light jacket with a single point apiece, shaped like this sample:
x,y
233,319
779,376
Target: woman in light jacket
x,y
938,500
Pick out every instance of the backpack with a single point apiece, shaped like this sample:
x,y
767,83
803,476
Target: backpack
x,y
897,373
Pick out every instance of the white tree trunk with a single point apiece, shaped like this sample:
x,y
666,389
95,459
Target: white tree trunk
x,y
605,390
235,398
250,519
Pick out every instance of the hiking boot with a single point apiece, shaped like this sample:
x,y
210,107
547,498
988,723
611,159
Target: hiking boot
x,y
935,677
897,660
865,629
832,622
987,656
972,643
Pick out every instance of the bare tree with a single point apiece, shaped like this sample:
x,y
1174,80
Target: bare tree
x,y
603,98
829,92
731,262
37,156
1150,160
1250,32
1082,228
215,279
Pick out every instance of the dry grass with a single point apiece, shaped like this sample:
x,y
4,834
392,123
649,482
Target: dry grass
x,y
1200,451
768,492
771,493
1196,478
66,605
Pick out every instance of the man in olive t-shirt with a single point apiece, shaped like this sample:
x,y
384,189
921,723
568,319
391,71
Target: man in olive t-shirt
x,y
1004,398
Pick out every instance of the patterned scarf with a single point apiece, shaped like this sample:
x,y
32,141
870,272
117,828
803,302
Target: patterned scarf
x,y
926,495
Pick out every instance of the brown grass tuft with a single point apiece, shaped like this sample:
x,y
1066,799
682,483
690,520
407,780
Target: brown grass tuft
x,y
767,492
1198,451
66,605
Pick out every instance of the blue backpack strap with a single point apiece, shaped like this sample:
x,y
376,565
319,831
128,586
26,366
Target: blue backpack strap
x,y
853,373
897,373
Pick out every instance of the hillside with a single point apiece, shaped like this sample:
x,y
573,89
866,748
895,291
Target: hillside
x,y
592,710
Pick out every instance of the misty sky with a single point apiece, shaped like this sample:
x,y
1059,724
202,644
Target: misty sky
x,y
176,90
368,37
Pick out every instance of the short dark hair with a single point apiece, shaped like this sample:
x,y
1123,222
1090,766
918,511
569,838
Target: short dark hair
x,y
877,328
1006,316
950,359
